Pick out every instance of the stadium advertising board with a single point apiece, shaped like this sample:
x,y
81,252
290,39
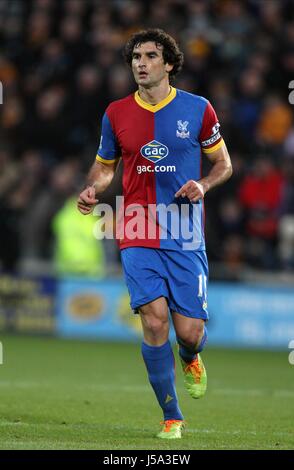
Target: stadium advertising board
x,y
251,316
27,304
96,309
240,315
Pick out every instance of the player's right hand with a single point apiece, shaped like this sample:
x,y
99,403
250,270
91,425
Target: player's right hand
x,y
87,200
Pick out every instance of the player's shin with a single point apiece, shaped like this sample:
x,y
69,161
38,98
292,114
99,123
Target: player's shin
x,y
195,377
159,362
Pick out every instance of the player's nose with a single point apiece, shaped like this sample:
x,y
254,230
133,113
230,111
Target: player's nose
x,y
142,63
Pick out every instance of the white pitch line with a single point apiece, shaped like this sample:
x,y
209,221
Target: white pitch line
x,y
240,391
236,432
143,388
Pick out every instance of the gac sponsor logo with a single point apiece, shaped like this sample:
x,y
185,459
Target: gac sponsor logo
x,y
154,151
155,169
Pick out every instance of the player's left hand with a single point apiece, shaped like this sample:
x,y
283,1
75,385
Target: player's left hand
x,y
193,190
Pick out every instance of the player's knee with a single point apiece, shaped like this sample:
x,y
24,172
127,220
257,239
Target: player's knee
x,y
156,326
192,338
198,334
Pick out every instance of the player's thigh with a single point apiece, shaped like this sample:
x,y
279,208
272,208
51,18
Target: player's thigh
x,y
156,310
155,321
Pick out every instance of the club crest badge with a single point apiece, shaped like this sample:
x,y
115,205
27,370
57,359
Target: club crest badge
x,y
182,131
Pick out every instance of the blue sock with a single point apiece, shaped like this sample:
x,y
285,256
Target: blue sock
x,y
187,354
160,365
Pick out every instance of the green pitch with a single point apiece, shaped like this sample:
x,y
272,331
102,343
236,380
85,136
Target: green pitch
x,y
58,394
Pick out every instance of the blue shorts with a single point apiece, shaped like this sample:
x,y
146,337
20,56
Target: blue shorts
x,y
180,276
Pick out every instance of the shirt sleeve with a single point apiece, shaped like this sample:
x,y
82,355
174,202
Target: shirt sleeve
x,y
108,150
210,137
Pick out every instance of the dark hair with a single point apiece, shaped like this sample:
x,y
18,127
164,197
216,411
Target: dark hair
x,y
171,52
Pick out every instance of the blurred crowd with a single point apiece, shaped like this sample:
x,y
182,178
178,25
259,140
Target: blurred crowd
x,y
61,64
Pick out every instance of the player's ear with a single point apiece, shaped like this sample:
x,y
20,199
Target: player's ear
x,y
168,67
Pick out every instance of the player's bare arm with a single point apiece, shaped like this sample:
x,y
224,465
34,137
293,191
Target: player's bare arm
x,y
98,180
220,172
